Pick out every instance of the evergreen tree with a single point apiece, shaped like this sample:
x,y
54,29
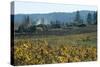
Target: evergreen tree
x,y
27,21
21,29
77,17
89,18
95,17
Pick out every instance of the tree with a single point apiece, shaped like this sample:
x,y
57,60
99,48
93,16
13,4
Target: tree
x,y
26,25
77,17
55,24
89,18
21,29
51,24
27,21
32,29
95,17
58,24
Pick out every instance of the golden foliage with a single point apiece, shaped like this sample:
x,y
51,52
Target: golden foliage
x,y
30,53
39,51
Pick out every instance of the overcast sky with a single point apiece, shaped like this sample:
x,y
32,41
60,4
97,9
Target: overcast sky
x,y
31,7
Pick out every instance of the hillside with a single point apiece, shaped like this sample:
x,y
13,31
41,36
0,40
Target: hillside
x,y
60,16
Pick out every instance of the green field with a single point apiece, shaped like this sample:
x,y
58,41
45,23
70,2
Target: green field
x,y
55,49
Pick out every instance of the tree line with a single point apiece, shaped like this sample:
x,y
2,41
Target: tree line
x,y
27,25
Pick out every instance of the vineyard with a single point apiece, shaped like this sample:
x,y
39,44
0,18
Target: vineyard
x,y
55,49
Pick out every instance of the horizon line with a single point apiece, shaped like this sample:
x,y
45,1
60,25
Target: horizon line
x,y
55,12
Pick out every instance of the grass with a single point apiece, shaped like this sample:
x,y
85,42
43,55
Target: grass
x,y
55,49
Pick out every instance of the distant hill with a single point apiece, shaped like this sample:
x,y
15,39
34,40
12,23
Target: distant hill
x,y
63,17
60,16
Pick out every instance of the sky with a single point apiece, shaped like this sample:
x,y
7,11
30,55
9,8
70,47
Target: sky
x,y
35,7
